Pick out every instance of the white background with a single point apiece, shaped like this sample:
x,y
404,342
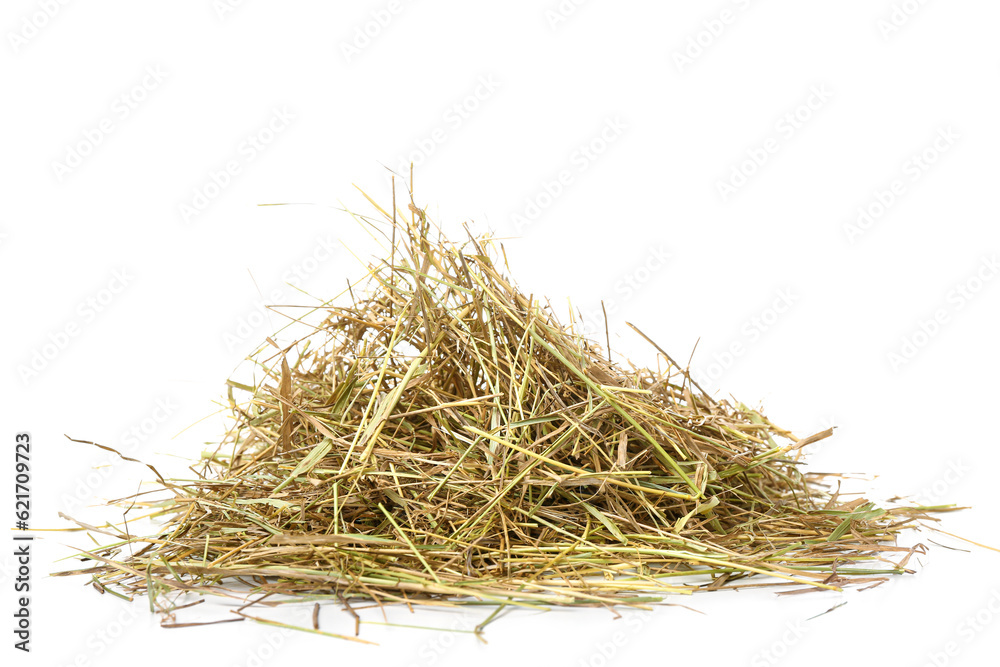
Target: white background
x,y
685,94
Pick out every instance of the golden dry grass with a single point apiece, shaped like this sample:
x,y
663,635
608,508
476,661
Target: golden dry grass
x,y
443,439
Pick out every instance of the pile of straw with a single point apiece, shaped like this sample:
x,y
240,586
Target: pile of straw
x,y
444,439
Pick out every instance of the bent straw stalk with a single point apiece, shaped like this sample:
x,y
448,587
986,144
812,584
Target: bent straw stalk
x,y
445,440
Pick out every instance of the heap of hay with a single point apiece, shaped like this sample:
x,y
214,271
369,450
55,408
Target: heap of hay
x,y
444,439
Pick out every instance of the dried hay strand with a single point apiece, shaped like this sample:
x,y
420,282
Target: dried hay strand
x,y
444,440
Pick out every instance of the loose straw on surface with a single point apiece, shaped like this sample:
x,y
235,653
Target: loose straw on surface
x,y
443,439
